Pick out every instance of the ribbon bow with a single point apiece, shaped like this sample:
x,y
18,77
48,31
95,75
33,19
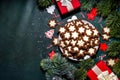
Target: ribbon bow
x,y
106,76
67,3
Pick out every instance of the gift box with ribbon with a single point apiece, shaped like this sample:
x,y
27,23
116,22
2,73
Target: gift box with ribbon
x,y
66,6
101,72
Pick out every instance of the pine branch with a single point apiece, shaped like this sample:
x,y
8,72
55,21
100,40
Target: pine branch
x,y
116,68
114,49
105,7
44,3
58,66
88,4
113,22
84,64
80,74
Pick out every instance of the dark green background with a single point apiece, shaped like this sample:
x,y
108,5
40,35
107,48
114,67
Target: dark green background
x,y
22,40
22,28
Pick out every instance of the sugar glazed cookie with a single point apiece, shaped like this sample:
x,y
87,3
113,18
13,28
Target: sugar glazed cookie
x,y
52,23
105,33
78,39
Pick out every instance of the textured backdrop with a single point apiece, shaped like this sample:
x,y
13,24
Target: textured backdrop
x,y
22,40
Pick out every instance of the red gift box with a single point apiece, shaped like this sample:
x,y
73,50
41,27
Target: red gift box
x,y
67,5
99,68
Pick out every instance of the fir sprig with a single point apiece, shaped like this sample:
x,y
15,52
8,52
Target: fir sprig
x,y
114,49
116,68
105,7
86,64
113,22
44,3
80,74
58,66
88,4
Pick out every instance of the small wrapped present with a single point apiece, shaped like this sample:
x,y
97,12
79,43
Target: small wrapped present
x,y
101,72
66,6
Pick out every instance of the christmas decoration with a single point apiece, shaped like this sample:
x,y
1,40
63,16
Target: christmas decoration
x,y
51,9
114,49
116,68
51,54
44,3
101,72
66,6
103,47
49,34
92,14
58,66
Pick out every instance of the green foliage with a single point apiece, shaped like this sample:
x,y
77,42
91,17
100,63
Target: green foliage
x,y
80,74
115,33
44,3
45,64
113,54
114,49
113,22
86,64
105,7
58,66
86,5
116,68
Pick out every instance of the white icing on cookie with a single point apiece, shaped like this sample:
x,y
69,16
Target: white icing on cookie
x,y
95,32
66,53
91,51
69,48
105,37
111,62
68,24
80,43
73,42
81,52
67,35
62,30
87,26
79,23
106,30
96,41
62,44
75,49
52,23
75,35
55,41
85,38
71,28
67,42
88,32
81,30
